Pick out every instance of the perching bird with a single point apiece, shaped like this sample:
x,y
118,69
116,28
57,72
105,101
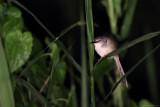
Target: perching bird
x,y
105,45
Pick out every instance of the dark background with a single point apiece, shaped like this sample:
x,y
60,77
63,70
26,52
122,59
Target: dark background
x,y
58,14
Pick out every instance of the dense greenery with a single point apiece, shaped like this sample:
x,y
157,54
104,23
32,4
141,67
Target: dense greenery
x,y
35,72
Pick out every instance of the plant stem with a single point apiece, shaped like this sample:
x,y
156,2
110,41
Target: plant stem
x,y
151,73
125,29
84,92
112,17
90,33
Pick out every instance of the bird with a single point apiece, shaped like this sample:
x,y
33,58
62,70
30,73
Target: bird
x,y
103,46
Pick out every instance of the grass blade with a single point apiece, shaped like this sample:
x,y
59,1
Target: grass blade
x,y
151,73
128,19
112,16
38,96
6,92
131,71
90,33
84,83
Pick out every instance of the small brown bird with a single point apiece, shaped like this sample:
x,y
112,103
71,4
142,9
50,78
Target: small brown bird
x,y
105,45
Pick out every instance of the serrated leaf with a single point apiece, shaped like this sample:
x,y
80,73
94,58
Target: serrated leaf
x,y
18,48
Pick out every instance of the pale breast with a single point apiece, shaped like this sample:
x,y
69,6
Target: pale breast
x,y
102,51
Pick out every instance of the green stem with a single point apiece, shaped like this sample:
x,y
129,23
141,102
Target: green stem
x,y
112,17
151,73
84,92
125,29
90,34
117,96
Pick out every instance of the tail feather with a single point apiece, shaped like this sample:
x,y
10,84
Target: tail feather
x,y
120,70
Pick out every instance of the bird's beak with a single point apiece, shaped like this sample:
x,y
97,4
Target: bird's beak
x,y
93,42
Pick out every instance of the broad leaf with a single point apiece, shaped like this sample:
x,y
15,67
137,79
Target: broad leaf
x,y
18,47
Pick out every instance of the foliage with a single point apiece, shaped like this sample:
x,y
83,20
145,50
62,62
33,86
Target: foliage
x,y
38,76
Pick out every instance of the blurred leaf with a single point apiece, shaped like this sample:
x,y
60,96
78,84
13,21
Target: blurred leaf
x,y
105,67
113,17
6,92
117,6
100,70
20,97
72,99
2,13
60,73
145,102
18,48
60,92
37,47
132,103
54,50
13,12
125,7
40,72
39,68
57,76
38,96
126,26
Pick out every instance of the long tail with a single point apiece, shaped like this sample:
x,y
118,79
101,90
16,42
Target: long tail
x,y
120,69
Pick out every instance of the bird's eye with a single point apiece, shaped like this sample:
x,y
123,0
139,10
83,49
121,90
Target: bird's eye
x,y
98,40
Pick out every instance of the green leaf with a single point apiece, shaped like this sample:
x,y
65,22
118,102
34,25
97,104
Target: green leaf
x,y
12,25
18,47
13,12
39,68
145,102
60,94
117,6
2,13
101,72
60,73
13,20
125,29
132,103
37,47
6,92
